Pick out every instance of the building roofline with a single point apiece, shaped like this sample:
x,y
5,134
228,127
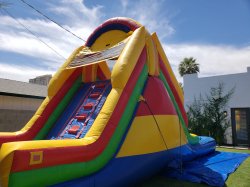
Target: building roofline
x,y
22,89
196,75
21,95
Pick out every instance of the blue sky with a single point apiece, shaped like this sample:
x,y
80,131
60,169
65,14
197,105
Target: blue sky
x,y
216,32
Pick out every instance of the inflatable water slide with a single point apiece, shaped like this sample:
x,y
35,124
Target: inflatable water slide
x,y
104,126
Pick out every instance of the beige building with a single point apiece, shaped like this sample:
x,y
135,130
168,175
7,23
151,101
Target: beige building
x,y
18,103
42,80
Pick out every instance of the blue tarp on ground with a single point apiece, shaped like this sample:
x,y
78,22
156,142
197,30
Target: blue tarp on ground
x,y
212,169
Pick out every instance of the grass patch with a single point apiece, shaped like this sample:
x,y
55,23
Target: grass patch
x,y
233,150
240,178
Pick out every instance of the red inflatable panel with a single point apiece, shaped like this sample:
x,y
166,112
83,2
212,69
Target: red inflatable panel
x,y
157,99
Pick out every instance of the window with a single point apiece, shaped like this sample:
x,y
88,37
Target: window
x,y
241,126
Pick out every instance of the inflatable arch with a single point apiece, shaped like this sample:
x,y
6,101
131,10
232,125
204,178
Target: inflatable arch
x,y
99,127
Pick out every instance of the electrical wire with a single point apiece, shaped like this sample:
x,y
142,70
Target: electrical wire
x,y
156,122
32,7
180,134
26,28
181,168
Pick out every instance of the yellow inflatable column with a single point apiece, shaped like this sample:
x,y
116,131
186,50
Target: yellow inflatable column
x,y
153,62
128,58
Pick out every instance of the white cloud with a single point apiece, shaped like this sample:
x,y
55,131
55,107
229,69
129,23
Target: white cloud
x,y
150,13
124,4
26,44
77,17
213,60
20,73
82,20
15,38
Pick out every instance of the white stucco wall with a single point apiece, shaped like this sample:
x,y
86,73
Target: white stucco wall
x,y
194,86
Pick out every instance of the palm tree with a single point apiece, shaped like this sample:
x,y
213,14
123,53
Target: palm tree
x,y
188,66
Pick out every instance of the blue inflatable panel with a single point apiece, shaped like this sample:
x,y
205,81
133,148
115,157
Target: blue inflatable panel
x,y
75,107
125,171
80,94
131,170
212,169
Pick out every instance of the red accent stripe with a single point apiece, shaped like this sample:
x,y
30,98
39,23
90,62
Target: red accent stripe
x,y
81,117
100,74
67,155
39,123
74,129
95,95
88,74
124,21
157,99
121,20
176,95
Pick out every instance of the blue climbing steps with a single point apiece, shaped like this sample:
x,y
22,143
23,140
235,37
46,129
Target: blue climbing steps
x,y
81,112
